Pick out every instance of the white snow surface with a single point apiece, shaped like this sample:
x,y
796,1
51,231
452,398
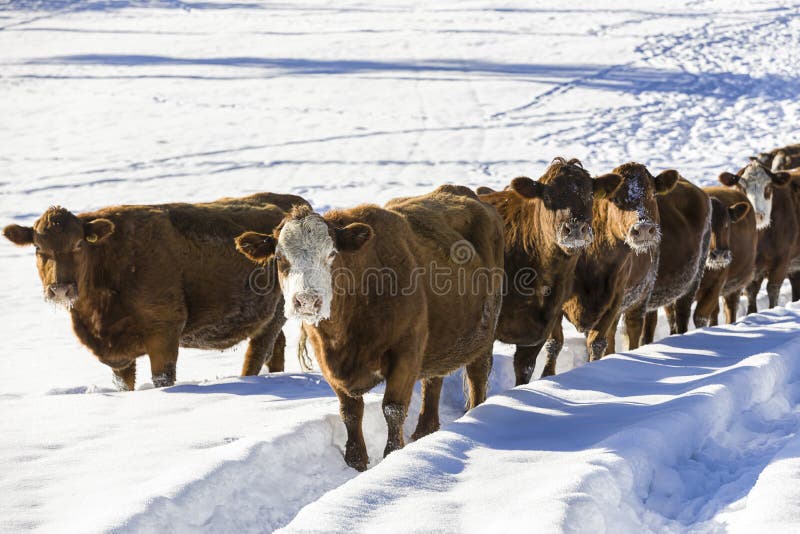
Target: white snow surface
x,y
123,101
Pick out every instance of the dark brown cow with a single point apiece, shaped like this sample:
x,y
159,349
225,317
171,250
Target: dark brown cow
x,y
779,159
148,279
547,226
777,224
685,214
616,273
794,265
731,256
437,311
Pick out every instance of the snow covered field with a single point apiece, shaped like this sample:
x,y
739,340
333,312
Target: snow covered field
x,y
107,102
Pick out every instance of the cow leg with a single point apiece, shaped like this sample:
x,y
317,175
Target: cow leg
x,y
774,282
650,323
478,377
681,312
714,316
794,278
707,301
125,377
163,352
275,364
598,341
553,348
525,362
351,410
429,413
634,325
396,398
261,349
752,295
731,307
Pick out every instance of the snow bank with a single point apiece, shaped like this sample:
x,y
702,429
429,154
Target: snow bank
x,y
659,439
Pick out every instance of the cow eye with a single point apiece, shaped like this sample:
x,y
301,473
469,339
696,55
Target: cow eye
x,y
332,255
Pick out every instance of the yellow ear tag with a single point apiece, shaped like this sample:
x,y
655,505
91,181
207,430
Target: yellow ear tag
x,y
91,238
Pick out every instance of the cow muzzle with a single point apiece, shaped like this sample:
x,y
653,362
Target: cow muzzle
x,y
644,236
762,221
573,236
62,293
719,258
307,306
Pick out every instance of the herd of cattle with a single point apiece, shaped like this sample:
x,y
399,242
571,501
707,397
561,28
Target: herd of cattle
x,y
148,279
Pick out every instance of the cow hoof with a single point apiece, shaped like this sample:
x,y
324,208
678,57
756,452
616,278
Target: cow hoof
x,y
163,381
359,464
420,433
391,446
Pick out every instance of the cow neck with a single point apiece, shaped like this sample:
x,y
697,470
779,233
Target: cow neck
x,y
95,282
606,239
537,240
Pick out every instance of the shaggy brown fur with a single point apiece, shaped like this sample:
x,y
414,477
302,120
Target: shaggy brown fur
x,y
733,229
426,331
148,279
777,242
538,271
610,278
685,214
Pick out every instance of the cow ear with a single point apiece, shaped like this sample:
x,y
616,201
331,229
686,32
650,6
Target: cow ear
x,y
19,235
729,179
255,246
780,179
738,211
665,182
605,186
352,237
97,230
483,190
527,188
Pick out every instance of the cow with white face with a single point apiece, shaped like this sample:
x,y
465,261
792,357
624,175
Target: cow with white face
x,y
438,311
776,222
758,183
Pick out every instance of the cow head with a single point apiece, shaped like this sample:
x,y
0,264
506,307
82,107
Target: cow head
x,y
63,244
780,161
758,183
305,247
722,217
633,209
566,192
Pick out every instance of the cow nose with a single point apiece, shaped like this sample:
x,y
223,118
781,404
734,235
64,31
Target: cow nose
x,y
307,302
721,254
61,291
574,231
643,230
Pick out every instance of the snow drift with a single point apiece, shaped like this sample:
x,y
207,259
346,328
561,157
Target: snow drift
x,y
662,439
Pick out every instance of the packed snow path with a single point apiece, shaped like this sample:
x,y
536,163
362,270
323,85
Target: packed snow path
x,y
135,101
669,438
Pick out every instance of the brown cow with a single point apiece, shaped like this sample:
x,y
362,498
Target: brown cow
x,y
442,253
731,255
148,279
794,265
777,224
547,226
685,214
616,273
779,159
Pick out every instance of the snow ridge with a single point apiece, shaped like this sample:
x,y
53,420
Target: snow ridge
x,y
668,438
